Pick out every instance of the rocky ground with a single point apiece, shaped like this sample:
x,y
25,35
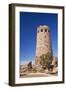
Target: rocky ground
x,y
36,71
39,70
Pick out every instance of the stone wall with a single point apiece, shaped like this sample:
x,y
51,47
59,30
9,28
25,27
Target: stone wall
x,y
43,43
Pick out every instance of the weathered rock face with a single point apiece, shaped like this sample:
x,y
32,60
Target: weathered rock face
x,y
29,66
42,66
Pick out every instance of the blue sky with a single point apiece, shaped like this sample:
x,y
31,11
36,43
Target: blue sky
x,y
28,29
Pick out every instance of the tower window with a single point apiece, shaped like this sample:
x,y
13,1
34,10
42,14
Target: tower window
x,y
41,30
45,30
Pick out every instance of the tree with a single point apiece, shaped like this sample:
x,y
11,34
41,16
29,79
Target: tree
x,y
46,59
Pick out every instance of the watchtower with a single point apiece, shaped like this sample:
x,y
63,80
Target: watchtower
x,y
43,42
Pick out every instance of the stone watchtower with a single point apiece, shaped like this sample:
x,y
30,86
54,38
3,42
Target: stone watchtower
x,y
43,43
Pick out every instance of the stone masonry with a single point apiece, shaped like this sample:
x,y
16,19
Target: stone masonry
x,y
43,42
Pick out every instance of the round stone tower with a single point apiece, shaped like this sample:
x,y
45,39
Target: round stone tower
x,y
43,42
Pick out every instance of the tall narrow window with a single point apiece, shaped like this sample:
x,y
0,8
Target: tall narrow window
x,y
45,30
41,30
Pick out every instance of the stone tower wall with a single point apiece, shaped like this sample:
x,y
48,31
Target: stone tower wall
x,y
43,44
